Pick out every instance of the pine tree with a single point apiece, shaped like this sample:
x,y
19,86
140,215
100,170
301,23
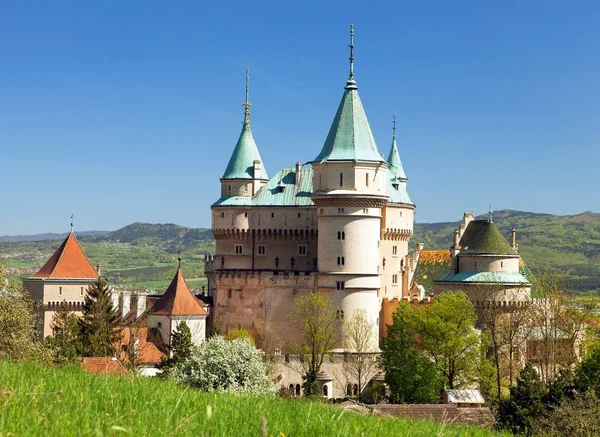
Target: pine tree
x,y
99,329
181,348
65,340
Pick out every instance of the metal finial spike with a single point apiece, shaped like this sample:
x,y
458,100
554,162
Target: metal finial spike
x,y
247,103
72,215
394,127
351,51
179,257
490,215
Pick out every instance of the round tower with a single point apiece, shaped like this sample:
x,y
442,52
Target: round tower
x,y
349,193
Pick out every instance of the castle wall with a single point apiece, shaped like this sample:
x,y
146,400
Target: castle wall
x,y
350,176
488,263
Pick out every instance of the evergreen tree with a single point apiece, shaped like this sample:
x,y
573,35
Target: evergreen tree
x,y
181,349
64,343
588,373
98,327
410,377
526,403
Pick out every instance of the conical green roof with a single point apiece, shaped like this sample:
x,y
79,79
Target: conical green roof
x,y
483,237
241,163
350,137
394,162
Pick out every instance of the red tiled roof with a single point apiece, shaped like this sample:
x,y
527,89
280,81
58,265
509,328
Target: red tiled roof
x,y
149,344
68,261
178,300
102,365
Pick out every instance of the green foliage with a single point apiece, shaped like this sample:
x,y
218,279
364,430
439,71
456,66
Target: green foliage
x,y
587,376
65,401
240,333
219,365
181,348
447,335
525,405
99,324
65,342
317,319
573,417
410,377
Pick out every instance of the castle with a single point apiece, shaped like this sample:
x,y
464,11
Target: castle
x,y
340,226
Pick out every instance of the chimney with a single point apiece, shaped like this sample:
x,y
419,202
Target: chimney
x,y
256,169
298,167
141,305
98,269
456,238
513,238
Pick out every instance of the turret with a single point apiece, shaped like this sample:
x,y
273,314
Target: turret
x,y
245,173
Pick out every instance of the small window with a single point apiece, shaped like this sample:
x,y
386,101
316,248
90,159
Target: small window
x,y
272,215
341,179
299,215
302,250
222,215
339,285
229,294
341,235
394,279
340,261
367,179
245,215
475,264
321,211
340,210
339,314
60,291
501,264
395,250
239,249
229,189
366,211
261,249
81,291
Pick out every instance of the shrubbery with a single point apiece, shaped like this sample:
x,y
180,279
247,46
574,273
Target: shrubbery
x,y
219,365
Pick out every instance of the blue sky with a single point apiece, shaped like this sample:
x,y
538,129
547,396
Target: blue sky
x,y
123,111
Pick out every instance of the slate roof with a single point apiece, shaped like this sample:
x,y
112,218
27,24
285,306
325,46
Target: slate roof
x,y
484,277
69,261
241,163
397,192
350,137
483,237
178,300
272,195
395,165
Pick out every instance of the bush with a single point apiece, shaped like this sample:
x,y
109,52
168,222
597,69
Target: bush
x,y
574,417
226,366
240,333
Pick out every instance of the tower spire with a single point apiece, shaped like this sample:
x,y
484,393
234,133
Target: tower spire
x,y
351,58
394,128
247,103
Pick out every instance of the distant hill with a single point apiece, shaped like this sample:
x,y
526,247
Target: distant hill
x,y
43,237
567,245
146,254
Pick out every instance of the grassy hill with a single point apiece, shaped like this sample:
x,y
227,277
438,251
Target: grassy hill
x,y
145,255
567,245
36,400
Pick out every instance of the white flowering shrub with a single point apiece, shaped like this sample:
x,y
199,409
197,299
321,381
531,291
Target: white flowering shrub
x,y
234,366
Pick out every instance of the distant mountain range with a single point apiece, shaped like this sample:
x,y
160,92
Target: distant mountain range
x,y
144,253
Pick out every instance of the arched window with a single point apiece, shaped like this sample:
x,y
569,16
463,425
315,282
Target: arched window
x,y
339,235
355,389
338,260
298,390
343,261
291,390
349,390
325,390
341,179
343,235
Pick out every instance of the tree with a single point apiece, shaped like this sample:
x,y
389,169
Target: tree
x,y
525,405
181,349
219,365
360,363
447,335
577,416
99,329
64,343
587,375
410,377
317,319
239,333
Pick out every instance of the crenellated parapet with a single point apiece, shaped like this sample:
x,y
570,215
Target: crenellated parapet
x,y
265,234
240,278
396,234
358,200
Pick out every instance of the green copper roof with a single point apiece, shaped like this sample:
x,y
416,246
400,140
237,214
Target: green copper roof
x,y
350,137
281,190
241,163
484,277
397,191
483,237
396,169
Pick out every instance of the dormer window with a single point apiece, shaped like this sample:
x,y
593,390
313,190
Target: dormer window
x,y
280,187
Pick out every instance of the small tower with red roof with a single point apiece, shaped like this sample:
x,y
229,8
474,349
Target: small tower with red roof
x,y
177,305
66,277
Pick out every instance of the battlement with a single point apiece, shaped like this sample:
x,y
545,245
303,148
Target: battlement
x,y
267,278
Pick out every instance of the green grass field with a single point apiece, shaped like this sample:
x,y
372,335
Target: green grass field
x,y
37,400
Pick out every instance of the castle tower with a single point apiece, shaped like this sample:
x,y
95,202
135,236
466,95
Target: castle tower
x,y
349,193
245,173
66,277
396,230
